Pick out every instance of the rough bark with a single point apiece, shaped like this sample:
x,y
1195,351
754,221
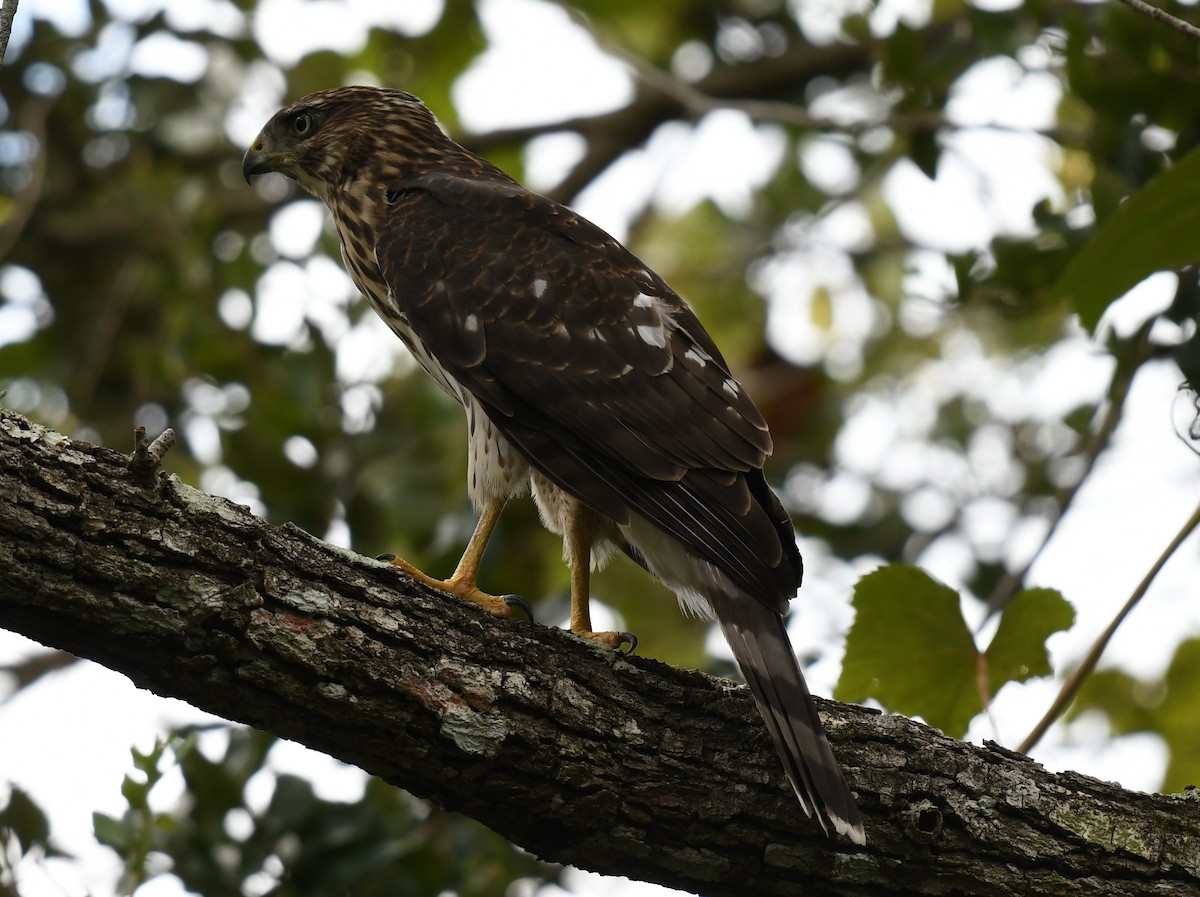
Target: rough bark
x,y
617,764
7,13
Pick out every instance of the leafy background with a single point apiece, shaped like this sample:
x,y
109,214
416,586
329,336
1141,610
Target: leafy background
x,y
906,223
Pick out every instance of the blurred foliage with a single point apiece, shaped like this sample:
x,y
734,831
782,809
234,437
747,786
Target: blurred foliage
x,y
143,283
24,836
1165,707
387,843
1151,232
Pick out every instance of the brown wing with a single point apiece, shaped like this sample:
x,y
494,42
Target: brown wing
x,y
591,366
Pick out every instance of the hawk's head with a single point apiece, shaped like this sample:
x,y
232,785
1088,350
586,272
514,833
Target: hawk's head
x,y
328,138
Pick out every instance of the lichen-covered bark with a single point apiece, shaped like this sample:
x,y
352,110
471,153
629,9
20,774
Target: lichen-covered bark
x,y
621,765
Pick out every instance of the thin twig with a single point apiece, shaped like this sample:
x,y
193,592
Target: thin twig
x,y
699,103
7,13
33,119
1166,18
113,304
1076,679
25,672
696,102
148,455
1118,390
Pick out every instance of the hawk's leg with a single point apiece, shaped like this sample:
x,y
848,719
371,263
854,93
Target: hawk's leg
x,y
580,531
462,581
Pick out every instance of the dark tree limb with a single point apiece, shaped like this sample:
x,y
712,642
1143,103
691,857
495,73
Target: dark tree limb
x,y
8,11
617,764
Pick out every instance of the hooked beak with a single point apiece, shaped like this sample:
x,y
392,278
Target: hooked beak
x,y
256,161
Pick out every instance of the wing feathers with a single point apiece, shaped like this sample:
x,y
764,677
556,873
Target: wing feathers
x,y
590,365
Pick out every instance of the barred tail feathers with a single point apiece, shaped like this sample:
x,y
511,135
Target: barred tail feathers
x,y
760,644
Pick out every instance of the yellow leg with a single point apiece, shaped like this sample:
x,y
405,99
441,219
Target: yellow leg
x,y
580,531
468,565
462,581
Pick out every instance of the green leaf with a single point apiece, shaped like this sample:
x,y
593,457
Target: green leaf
x,y
926,152
1128,703
135,792
1153,230
113,832
148,762
1018,649
1166,707
910,648
1176,716
25,820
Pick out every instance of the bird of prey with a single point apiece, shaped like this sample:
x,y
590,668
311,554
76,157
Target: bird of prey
x,y
584,377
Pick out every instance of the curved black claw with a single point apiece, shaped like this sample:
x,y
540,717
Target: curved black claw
x,y
628,637
518,601
385,557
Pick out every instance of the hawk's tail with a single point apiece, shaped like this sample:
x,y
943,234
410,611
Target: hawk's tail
x,y
760,643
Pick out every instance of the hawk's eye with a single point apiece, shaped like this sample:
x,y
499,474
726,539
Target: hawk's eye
x,y
303,124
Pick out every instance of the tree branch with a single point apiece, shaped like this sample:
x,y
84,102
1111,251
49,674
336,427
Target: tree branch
x,y
8,11
617,764
1165,17
764,89
610,134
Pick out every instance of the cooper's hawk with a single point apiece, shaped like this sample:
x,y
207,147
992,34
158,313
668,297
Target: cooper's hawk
x,y
583,376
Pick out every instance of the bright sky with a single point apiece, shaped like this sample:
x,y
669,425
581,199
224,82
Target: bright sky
x,y
75,729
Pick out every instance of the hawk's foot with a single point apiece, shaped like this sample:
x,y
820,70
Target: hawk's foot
x,y
612,640
463,587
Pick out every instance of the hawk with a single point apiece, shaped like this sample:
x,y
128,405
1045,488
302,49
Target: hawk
x,y
585,379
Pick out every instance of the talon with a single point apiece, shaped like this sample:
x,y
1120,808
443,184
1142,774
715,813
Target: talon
x,y
462,585
518,601
612,640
